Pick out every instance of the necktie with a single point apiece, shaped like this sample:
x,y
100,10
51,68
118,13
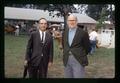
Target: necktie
x,y
42,36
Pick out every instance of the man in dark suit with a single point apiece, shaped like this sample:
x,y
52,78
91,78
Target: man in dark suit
x,y
39,53
76,46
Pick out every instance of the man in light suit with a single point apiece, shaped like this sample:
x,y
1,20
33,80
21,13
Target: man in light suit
x,y
39,53
76,46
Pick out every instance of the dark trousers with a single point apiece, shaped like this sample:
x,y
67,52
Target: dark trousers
x,y
93,46
39,71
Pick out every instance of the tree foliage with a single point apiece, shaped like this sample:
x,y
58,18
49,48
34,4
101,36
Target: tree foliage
x,y
94,11
103,16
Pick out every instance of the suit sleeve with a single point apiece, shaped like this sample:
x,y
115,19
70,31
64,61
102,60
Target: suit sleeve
x,y
51,51
29,48
86,42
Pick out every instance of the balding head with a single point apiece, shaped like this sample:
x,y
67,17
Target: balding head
x,y
71,16
72,21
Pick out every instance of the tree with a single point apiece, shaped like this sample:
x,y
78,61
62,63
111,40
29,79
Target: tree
x,y
81,8
103,16
111,12
94,11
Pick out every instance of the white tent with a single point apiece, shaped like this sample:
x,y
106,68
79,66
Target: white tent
x,y
35,14
29,14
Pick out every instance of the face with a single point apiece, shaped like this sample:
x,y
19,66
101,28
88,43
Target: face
x,y
72,21
42,24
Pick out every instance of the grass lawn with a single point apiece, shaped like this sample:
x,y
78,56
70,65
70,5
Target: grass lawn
x,y
101,64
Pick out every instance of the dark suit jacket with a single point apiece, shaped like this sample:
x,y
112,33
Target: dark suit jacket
x,y
80,46
36,48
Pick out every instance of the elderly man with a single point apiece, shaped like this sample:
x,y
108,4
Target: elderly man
x,y
76,46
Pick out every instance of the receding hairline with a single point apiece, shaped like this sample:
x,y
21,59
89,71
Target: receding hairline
x,y
42,19
71,15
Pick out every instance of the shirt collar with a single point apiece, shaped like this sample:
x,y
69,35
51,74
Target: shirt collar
x,y
72,29
41,31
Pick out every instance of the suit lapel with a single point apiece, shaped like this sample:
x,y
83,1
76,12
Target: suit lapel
x,y
67,36
46,37
39,36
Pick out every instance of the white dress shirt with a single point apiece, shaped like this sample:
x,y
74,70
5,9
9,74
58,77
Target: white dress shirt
x,y
41,35
93,35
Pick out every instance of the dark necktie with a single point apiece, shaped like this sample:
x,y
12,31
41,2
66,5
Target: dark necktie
x,y
42,36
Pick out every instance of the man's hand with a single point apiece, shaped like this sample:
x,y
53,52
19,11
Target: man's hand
x,y
25,63
50,64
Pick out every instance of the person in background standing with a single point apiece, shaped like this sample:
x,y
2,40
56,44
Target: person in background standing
x,y
17,30
93,40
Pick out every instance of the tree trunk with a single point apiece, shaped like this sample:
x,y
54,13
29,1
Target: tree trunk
x,y
65,21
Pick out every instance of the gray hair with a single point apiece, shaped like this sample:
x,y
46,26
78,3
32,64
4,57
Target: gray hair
x,y
73,15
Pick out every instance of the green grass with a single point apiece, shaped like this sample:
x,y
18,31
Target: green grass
x,y
101,64
14,55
